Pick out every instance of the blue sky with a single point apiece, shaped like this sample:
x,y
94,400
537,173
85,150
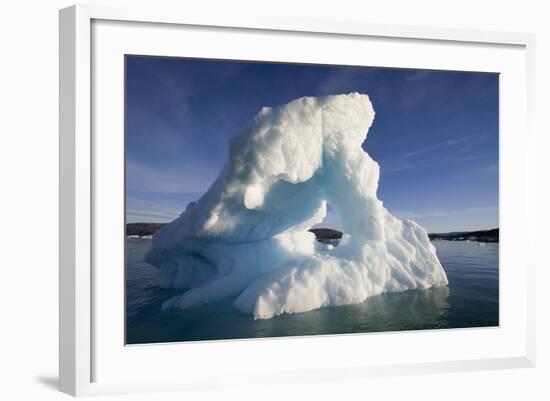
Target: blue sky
x,y
435,134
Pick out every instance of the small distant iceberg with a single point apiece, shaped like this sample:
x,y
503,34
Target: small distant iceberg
x,y
248,237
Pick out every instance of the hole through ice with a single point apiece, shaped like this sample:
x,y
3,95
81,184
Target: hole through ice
x,y
331,220
248,237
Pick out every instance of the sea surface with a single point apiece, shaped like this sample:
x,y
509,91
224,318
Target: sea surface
x,y
470,300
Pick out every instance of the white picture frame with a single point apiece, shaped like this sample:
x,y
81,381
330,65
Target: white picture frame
x,y
80,342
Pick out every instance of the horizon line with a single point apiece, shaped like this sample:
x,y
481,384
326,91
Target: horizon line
x,y
439,232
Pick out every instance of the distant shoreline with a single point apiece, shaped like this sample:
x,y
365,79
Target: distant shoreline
x,y
328,235
479,236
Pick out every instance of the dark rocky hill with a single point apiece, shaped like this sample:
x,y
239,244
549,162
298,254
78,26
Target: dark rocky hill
x,y
143,229
327,235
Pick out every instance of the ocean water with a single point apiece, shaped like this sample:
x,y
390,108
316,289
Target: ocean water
x,y
470,300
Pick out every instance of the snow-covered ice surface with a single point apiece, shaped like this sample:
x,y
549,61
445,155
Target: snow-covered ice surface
x,y
247,235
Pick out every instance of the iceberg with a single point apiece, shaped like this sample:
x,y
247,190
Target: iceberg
x,y
247,237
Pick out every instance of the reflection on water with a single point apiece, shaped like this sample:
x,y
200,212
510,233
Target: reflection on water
x,y
470,300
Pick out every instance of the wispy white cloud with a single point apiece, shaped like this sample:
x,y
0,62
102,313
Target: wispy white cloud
x,y
437,146
411,159
145,216
185,177
466,219
418,75
439,212
141,210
